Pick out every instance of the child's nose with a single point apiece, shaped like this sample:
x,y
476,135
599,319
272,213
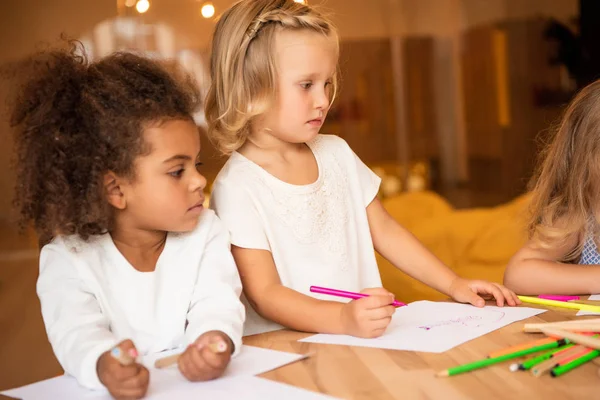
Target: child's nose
x,y
322,100
198,183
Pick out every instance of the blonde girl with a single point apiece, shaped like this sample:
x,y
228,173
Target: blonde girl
x,y
301,207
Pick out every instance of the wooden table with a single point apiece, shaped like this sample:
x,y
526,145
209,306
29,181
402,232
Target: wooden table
x,y
368,373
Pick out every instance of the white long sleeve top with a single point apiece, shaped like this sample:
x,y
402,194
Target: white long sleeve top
x,y
92,298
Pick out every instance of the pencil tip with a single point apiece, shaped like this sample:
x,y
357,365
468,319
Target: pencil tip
x,y
442,374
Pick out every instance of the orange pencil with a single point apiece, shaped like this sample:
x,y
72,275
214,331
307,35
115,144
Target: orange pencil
x,y
581,353
520,347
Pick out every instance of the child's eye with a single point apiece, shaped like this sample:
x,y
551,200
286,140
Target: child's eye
x,y
198,165
306,85
177,174
328,83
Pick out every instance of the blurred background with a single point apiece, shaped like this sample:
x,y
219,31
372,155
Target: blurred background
x,y
445,99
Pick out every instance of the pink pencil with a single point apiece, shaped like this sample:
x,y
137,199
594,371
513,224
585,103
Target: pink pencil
x,y
348,295
575,356
557,297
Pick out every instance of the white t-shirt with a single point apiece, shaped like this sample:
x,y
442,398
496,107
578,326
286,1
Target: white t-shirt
x,y
318,234
92,298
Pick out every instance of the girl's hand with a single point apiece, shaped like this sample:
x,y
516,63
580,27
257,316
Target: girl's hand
x,y
123,377
368,317
468,291
207,357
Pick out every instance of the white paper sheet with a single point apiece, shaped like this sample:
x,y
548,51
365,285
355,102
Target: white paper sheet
x,y
239,387
168,383
592,297
434,327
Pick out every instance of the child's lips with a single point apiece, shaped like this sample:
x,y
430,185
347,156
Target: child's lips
x,y
198,206
315,122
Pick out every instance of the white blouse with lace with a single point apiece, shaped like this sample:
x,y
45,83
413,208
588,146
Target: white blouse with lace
x,y
318,234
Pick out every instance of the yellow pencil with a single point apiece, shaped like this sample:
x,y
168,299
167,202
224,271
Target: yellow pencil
x,y
590,302
563,304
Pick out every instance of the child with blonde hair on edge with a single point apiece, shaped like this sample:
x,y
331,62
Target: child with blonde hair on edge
x,y
562,255
301,207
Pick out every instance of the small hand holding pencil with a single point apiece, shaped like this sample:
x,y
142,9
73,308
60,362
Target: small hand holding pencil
x,y
203,360
369,315
121,374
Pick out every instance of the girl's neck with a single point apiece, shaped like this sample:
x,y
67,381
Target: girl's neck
x,y
270,147
140,247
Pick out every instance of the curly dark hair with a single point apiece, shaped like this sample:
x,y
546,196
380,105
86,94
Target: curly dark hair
x,y
74,121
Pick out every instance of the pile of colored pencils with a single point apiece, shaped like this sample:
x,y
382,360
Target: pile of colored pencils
x,y
569,344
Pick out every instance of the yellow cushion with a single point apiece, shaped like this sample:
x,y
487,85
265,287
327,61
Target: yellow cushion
x,y
503,236
411,208
475,243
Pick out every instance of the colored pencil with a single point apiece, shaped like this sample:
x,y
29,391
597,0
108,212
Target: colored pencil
x,y
528,364
558,297
563,304
562,369
348,295
590,302
580,353
522,346
165,362
555,360
490,361
573,326
122,357
591,342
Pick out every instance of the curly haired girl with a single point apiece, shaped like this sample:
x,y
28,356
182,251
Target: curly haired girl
x,y
107,157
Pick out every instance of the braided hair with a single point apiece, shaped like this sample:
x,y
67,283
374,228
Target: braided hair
x,y
243,71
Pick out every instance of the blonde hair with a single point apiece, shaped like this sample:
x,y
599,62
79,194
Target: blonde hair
x,y
243,71
566,188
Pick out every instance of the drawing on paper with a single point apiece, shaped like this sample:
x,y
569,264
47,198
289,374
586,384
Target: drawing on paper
x,y
470,321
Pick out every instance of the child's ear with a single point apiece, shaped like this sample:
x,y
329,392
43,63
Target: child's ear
x,y
113,189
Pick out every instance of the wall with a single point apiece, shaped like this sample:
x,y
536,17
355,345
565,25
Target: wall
x,y
27,22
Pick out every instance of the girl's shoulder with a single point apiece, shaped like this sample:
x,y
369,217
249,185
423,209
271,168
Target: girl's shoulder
x,y
330,142
70,256
207,222
74,245
209,225
236,170
332,147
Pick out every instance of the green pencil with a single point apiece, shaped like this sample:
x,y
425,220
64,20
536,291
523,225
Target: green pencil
x,y
561,369
490,361
541,358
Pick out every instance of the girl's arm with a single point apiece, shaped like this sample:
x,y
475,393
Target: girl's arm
x,y
535,270
215,303
77,329
366,317
405,251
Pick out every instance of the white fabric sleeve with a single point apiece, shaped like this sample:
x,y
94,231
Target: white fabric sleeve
x,y
77,330
368,180
234,206
215,303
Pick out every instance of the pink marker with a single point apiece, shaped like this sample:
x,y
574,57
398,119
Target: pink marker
x,y
557,297
348,295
